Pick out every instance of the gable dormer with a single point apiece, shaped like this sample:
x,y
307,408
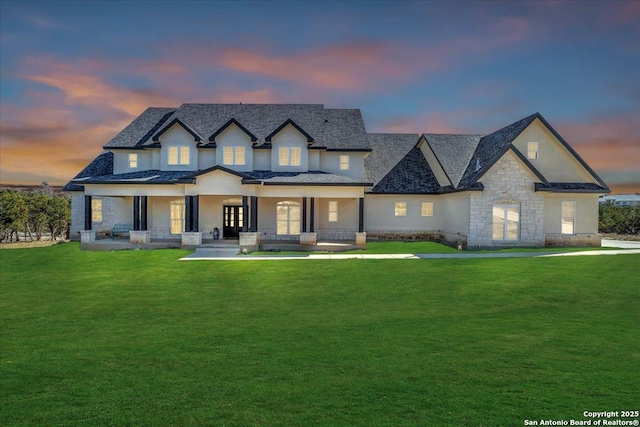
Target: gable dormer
x,y
541,145
233,144
289,152
178,146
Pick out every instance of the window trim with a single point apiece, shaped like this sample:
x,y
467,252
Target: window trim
x,y
344,162
96,211
429,211
234,151
505,226
398,208
332,213
180,152
288,204
290,156
533,150
179,203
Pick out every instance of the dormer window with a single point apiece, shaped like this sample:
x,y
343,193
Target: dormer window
x,y
289,156
178,155
133,161
344,162
532,150
233,156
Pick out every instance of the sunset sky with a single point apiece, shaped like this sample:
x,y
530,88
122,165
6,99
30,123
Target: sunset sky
x,y
73,74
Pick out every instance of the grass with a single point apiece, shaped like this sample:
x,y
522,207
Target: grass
x,y
137,338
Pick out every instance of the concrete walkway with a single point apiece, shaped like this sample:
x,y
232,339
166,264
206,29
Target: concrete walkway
x,y
622,244
202,254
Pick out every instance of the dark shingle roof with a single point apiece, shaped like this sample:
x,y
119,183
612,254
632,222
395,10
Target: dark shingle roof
x,y
303,178
141,177
571,187
101,165
141,129
328,128
491,147
387,150
454,152
412,175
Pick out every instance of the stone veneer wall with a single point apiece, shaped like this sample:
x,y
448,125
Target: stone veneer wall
x,y
336,233
111,206
587,239
508,181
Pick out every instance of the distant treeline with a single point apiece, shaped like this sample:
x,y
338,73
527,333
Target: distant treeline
x,y
34,214
619,219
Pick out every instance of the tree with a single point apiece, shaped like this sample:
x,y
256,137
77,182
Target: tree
x,y
37,202
13,214
58,215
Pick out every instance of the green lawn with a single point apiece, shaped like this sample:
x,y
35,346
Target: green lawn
x,y
423,247
138,338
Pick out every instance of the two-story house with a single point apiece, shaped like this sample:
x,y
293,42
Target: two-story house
x,y
309,173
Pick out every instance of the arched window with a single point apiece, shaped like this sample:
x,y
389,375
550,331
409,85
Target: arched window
x,y
288,218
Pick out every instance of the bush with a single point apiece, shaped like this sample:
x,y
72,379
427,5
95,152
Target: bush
x,y
619,219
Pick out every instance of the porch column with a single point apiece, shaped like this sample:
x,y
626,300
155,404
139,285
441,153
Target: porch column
x,y
312,218
188,227
87,212
254,214
361,236
195,213
139,234
304,214
136,213
143,213
245,211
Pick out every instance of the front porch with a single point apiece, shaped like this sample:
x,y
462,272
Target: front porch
x,y
229,247
284,223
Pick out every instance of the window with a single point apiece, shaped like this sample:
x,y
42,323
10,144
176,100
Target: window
x,y
532,150
427,208
344,162
178,155
289,156
401,209
233,156
177,216
333,211
96,210
288,218
506,222
568,217
133,161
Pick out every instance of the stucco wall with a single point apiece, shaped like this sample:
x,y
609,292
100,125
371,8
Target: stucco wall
x,y
508,181
330,162
261,159
379,213
554,162
347,224
121,161
587,208
206,158
455,212
440,174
